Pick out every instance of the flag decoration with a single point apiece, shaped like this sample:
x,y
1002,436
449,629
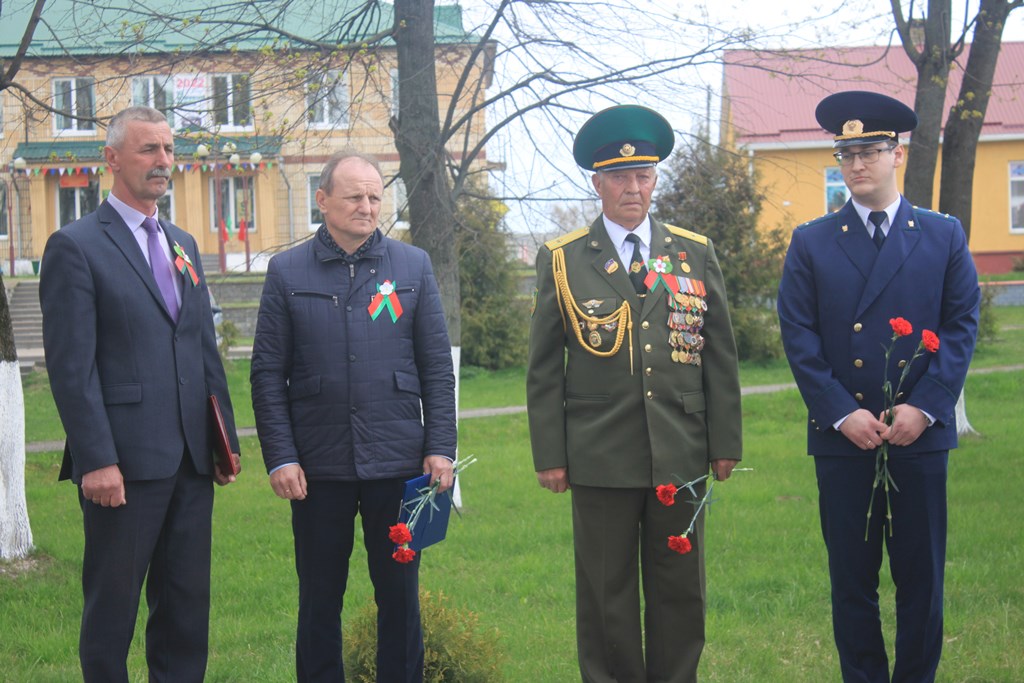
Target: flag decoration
x,y
657,272
386,298
184,264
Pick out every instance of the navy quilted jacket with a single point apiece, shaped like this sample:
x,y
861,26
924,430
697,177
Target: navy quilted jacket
x,y
346,396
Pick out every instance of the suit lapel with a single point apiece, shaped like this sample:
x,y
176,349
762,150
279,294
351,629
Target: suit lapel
x,y
605,255
854,241
904,236
121,235
190,294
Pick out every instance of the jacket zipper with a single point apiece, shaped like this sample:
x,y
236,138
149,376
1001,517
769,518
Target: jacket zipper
x,y
322,295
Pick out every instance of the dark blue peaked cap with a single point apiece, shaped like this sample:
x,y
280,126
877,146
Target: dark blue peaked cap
x,y
857,117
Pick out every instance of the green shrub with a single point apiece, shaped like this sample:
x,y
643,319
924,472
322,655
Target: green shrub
x,y
496,336
757,334
988,326
457,651
228,332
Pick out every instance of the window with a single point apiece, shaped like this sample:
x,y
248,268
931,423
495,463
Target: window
x,y
327,100
234,203
836,192
156,92
401,199
231,98
4,230
394,93
1017,196
74,100
315,217
75,202
165,205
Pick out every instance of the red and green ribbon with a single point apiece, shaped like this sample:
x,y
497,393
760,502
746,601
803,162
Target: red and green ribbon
x,y
657,270
386,298
184,264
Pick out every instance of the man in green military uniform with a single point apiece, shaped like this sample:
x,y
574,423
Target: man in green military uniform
x,y
632,383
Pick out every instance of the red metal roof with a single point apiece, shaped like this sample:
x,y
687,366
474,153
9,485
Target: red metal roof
x,y
772,94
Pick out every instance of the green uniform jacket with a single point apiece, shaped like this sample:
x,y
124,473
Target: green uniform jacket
x,y
609,427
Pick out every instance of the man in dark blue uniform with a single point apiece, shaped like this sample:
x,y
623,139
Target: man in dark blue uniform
x,y
846,276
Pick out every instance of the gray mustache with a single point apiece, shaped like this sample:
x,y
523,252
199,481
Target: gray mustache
x,y
159,173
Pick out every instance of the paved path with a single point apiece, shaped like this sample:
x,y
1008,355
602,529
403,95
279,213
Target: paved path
x,y
42,446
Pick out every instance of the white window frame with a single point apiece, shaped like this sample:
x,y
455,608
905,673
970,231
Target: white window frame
x,y
76,126
230,211
145,93
1016,175
94,184
834,182
166,203
231,124
328,110
312,210
400,198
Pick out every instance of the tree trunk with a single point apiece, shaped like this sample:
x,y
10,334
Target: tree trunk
x,y
15,531
421,150
963,127
929,103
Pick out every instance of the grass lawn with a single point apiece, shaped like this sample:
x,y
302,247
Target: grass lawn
x,y
509,559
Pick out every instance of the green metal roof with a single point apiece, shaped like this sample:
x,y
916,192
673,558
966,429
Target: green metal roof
x,y
83,151
113,27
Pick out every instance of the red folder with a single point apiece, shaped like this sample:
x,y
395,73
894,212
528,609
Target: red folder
x,y
226,460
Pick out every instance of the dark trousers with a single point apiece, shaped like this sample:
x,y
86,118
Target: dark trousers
x,y
614,530
324,525
917,555
161,535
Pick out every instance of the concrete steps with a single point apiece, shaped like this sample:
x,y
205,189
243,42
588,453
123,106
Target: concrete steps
x,y
27,320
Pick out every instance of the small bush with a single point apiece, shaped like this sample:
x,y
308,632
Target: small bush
x,y
988,325
228,333
757,334
457,651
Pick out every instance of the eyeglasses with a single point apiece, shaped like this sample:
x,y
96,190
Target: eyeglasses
x,y
868,156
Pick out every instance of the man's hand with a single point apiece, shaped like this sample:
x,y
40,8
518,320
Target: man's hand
x,y
440,469
223,479
908,423
555,480
289,482
722,469
862,429
104,486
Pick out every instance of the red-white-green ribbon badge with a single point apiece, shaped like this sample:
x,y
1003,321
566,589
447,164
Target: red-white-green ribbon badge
x,y
386,298
184,264
657,270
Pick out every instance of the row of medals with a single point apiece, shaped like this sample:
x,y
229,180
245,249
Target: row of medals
x,y
685,321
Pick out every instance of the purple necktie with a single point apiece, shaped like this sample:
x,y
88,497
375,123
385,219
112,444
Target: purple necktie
x,y
161,268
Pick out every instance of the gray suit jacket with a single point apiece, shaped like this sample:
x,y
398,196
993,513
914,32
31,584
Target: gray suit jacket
x,y
131,386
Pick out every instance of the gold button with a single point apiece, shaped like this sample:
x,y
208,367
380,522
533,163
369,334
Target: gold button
x,y
899,395
594,243
650,394
857,327
902,363
668,240
647,347
645,324
859,396
813,421
858,363
648,371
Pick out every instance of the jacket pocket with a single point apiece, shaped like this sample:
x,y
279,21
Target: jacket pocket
x,y
570,396
114,394
408,382
694,402
303,388
315,295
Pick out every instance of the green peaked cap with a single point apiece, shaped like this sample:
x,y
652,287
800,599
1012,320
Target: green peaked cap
x,y
623,136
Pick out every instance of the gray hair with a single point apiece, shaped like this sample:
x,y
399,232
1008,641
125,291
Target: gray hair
x,y
327,174
118,125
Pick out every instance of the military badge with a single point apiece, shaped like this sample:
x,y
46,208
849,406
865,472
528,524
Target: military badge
x,y
853,127
610,266
627,150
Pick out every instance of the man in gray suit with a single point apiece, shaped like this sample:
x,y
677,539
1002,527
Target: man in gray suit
x,y
132,357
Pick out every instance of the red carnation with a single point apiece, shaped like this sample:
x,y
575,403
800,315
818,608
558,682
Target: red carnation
x,y
680,544
400,534
930,341
666,494
404,555
901,327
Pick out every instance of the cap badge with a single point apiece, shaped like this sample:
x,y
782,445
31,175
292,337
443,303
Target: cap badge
x,y
853,127
627,150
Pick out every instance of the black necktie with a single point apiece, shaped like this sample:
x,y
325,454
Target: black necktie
x,y
877,218
637,270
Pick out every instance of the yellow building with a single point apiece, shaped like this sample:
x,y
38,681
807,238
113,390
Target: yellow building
x,y
768,114
254,122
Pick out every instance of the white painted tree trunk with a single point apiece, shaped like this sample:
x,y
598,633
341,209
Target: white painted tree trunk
x,y
456,360
15,531
963,425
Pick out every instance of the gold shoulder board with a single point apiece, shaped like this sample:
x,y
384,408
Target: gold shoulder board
x,y
688,234
560,242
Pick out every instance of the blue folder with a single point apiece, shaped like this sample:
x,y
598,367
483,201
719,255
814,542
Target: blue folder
x,y
432,525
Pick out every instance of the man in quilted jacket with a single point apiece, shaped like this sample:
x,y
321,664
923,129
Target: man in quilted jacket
x,y
354,393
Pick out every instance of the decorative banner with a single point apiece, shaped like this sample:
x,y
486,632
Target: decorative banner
x,y
184,264
657,269
242,232
386,298
223,231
